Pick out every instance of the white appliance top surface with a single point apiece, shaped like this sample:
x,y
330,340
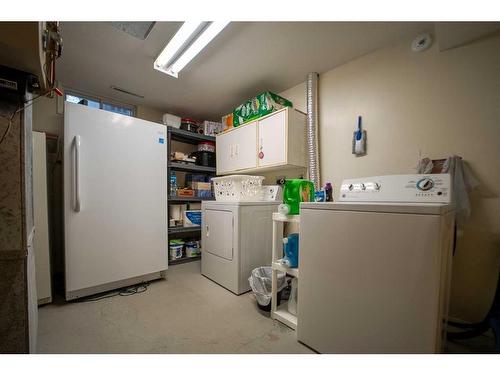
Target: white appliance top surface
x,y
219,203
391,207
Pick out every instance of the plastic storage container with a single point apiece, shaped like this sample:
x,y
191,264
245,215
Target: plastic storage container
x,y
206,146
192,249
238,188
175,249
189,125
172,120
261,284
204,158
192,218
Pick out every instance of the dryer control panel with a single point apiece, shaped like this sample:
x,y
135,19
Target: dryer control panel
x,y
409,188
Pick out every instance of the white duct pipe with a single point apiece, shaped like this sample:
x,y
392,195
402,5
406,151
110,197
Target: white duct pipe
x,y
312,129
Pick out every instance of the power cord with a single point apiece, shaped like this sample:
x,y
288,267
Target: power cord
x,y
9,125
10,118
124,292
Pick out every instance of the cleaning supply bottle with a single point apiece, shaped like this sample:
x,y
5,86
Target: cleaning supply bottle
x,y
291,250
173,184
328,192
296,191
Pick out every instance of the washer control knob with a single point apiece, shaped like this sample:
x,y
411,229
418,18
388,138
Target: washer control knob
x,y
362,186
350,187
376,185
425,184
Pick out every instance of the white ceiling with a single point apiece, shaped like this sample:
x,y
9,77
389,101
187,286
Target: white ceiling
x,y
245,59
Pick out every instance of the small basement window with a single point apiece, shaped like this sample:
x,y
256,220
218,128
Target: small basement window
x,y
101,103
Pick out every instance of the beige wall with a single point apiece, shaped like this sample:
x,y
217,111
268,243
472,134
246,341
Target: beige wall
x,y
436,103
150,114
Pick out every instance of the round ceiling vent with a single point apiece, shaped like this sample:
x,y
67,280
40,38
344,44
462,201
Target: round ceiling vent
x,y
421,42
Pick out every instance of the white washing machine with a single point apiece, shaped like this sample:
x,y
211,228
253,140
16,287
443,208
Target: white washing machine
x,y
236,238
375,267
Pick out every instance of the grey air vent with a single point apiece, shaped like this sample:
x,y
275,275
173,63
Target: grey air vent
x,y
139,30
127,92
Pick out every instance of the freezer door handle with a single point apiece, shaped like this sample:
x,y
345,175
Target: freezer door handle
x,y
77,203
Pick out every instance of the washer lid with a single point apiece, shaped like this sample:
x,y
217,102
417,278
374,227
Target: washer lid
x,y
404,208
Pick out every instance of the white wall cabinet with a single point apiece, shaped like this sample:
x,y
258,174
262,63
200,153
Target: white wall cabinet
x,y
236,149
271,142
272,136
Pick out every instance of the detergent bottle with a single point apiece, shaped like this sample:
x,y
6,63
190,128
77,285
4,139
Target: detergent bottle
x,y
296,191
291,250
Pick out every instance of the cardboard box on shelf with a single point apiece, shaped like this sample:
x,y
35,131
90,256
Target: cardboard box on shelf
x,y
201,185
185,192
211,128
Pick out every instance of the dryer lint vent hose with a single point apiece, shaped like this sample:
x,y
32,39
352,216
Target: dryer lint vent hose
x,y
312,130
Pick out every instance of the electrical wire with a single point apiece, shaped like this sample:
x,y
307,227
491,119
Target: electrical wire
x,y
10,118
9,126
125,292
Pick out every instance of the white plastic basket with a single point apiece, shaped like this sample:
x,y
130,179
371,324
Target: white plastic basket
x,y
237,188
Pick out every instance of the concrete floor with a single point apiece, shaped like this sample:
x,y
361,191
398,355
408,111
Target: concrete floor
x,y
187,313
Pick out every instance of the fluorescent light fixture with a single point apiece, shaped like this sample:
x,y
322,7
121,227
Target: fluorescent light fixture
x,y
180,38
186,44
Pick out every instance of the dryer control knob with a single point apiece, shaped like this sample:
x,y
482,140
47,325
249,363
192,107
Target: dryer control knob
x,y
425,184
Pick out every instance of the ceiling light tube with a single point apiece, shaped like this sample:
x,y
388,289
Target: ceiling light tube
x,y
175,44
170,61
206,37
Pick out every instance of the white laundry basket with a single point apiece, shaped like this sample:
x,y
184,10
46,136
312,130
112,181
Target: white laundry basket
x,y
237,188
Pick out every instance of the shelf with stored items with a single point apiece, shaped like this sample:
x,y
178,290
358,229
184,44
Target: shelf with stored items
x,y
184,230
184,260
190,167
274,141
186,136
281,313
185,141
175,199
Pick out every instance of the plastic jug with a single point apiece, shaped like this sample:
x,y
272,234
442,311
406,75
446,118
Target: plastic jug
x,y
291,250
296,191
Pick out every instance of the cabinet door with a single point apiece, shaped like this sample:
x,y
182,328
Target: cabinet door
x,y
224,152
272,140
244,149
236,149
218,233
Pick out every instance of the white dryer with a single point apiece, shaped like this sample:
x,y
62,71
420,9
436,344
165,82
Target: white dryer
x,y
236,238
375,267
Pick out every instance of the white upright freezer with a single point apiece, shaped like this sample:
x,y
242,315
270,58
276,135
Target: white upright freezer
x,y
375,268
115,200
